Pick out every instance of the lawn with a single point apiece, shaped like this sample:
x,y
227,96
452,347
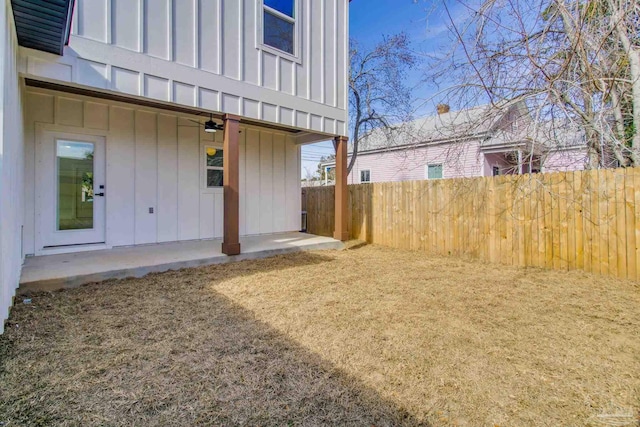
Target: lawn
x,y
368,336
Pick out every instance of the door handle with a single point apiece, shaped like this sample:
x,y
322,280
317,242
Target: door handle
x,y
99,194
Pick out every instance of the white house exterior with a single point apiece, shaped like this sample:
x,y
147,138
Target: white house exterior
x,y
103,138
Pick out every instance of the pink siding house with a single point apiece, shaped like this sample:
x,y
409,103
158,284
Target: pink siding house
x,y
459,144
565,159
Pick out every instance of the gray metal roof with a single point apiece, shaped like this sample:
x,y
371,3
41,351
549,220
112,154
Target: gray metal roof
x,y
43,24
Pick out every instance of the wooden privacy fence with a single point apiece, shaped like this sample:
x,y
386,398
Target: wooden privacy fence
x,y
585,220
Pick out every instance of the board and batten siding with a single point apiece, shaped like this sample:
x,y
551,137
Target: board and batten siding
x,y
11,165
207,54
155,159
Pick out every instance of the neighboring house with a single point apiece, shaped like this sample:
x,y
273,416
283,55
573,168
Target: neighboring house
x,y
110,112
480,141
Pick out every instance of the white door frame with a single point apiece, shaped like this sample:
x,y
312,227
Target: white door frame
x,y
45,173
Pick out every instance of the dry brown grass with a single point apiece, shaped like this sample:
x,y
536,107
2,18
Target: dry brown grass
x,y
371,336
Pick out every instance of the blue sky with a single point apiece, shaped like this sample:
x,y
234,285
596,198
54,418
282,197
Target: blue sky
x,y
425,23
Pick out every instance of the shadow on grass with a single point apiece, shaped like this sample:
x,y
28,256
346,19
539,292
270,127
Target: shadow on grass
x,y
167,350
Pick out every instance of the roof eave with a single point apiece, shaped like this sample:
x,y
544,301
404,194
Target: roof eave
x,y
43,24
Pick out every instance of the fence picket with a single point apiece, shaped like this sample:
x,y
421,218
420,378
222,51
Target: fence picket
x,y
578,207
569,201
629,188
619,215
595,194
533,200
603,221
611,224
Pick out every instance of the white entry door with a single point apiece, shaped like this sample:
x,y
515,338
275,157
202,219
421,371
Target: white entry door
x,y
71,189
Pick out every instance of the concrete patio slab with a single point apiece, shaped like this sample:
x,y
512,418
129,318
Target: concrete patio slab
x,y
54,272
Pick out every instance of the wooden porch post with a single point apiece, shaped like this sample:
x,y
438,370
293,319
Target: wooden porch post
x,y
341,231
520,163
231,185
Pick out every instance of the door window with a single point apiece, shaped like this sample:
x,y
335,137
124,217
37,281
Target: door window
x,y
74,175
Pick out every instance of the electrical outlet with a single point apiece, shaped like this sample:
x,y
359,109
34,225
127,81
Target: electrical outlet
x,y
150,210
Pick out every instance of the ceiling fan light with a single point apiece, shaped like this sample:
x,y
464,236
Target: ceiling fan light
x,y
210,126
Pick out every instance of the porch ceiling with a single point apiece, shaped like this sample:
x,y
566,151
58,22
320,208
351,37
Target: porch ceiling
x,y
301,136
43,24
506,147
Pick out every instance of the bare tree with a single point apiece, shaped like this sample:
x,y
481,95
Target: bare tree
x,y
571,62
624,21
310,175
379,96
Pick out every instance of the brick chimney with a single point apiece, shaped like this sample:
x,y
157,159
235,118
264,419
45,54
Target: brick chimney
x,y
443,108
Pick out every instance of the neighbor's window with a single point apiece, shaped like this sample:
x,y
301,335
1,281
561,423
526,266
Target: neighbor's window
x,y
279,25
365,175
496,171
214,167
434,171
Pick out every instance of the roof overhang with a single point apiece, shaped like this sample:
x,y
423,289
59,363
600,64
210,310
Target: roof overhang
x,y
413,146
300,136
511,146
43,24
143,102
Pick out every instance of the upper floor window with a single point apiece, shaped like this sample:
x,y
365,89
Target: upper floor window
x,y
365,175
279,25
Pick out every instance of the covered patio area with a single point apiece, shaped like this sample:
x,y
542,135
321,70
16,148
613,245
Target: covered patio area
x,y
54,272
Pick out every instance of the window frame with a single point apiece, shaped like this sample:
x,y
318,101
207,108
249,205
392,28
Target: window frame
x,y
207,167
365,170
426,170
297,33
